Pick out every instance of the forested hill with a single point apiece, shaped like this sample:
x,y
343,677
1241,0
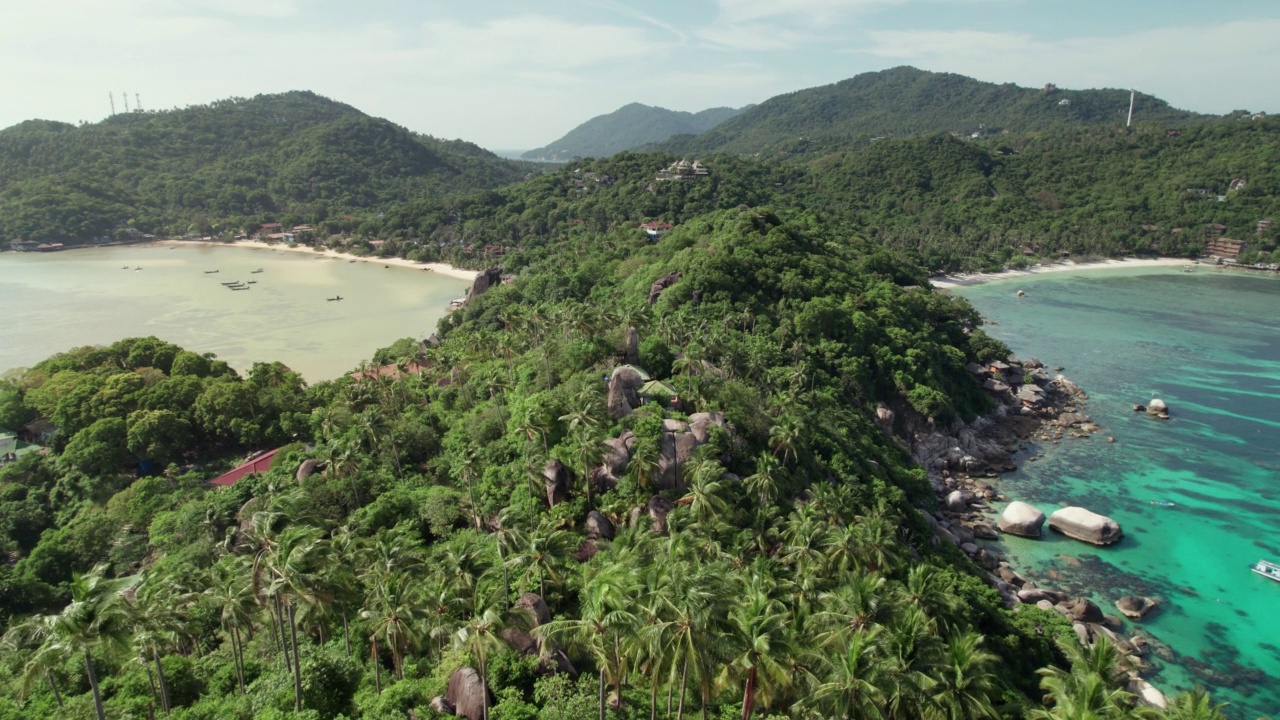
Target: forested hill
x,y
293,154
627,128
954,204
906,101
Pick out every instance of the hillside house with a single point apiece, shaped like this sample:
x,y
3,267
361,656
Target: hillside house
x,y
1214,230
684,170
656,229
1263,226
1238,184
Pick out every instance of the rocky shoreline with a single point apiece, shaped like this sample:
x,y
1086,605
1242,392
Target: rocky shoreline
x,y
963,461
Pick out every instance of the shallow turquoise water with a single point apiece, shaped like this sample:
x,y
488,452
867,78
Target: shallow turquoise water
x,y
1208,343
56,301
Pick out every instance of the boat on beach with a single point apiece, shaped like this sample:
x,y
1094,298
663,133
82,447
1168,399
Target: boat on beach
x,y
210,272
334,299
1267,569
255,272
233,282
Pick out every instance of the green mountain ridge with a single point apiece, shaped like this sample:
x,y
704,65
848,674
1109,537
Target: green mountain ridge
x,y
907,101
234,160
629,127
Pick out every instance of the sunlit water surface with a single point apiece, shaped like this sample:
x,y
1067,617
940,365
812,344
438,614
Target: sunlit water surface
x,y
54,301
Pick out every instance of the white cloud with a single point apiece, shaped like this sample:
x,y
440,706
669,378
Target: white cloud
x,y
1209,69
814,12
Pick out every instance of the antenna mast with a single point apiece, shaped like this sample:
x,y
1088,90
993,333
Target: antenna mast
x,y
1130,122
137,103
112,98
125,95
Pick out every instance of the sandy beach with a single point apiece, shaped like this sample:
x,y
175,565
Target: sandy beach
x,y
441,268
962,279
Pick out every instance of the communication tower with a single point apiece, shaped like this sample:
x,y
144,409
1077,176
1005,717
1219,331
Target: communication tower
x,y
137,103
126,101
1132,93
112,98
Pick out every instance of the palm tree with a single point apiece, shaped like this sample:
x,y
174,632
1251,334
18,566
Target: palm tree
x,y
851,686
394,611
293,569
543,555
766,479
481,636
1194,705
705,490
962,681
850,608
605,624
695,608
930,590
643,465
157,614
1091,688
1086,696
587,447
760,629
784,439
232,594
96,621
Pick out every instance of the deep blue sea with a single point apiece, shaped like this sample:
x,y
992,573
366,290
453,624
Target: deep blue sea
x,y
1208,343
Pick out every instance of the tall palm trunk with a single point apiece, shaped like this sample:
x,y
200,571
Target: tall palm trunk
x,y
653,697
278,620
684,682
601,693
57,696
164,684
237,652
377,666
484,688
93,684
155,694
749,695
297,661
346,634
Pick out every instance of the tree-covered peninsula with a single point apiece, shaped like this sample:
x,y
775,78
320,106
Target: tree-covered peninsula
x,y
640,479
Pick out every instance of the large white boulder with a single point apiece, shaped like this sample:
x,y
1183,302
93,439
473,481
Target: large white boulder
x,y
1081,524
1019,518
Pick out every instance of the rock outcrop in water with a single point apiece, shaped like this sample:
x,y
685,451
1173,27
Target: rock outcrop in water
x,y
1085,525
1021,519
1134,607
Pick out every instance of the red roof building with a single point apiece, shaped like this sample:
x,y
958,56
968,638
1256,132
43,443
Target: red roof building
x,y
259,464
655,229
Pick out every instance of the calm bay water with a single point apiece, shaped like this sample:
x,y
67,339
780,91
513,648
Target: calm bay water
x,y
55,301
1208,343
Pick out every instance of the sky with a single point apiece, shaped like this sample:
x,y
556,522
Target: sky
x,y
513,74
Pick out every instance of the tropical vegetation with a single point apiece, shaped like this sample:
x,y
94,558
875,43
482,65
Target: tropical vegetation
x,y
781,569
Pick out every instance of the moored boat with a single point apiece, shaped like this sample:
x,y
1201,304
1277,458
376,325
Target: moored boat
x,y
334,299
1163,503
1267,569
210,272
255,272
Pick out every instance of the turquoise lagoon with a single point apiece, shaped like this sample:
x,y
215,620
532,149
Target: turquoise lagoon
x,y
1208,343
